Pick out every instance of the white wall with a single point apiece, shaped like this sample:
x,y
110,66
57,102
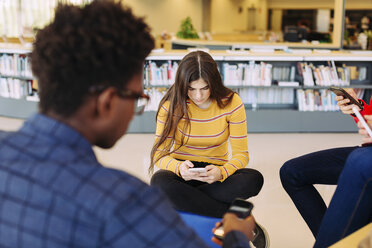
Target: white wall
x,y
167,14
276,20
225,17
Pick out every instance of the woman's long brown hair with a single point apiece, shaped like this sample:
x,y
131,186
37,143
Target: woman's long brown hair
x,y
192,67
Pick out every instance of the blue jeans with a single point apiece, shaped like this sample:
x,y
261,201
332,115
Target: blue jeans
x,y
299,175
351,205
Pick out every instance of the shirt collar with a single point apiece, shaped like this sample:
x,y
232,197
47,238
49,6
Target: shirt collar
x,y
39,124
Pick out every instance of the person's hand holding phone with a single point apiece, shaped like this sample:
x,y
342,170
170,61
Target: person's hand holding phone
x,y
231,222
188,174
362,131
213,174
344,102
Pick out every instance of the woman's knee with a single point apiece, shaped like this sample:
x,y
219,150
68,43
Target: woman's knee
x,y
162,178
359,162
251,178
288,171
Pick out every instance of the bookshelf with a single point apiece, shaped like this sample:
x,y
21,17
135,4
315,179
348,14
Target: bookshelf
x,y
269,107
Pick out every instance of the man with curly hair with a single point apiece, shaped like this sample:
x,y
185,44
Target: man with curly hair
x,y
53,191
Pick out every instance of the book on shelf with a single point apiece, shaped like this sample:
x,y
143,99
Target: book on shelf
x,y
156,94
160,75
266,96
357,72
284,73
316,100
324,75
15,88
247,74
288,84
15,65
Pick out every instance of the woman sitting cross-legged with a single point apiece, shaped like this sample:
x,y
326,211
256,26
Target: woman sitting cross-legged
x,y
196,121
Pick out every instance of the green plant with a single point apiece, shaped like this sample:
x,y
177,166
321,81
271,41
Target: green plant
x,y
187,30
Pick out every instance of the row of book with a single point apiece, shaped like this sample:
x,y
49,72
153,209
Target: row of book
x,y
247,74
308,100
164,74
320,100
266,96
259,74
21,17
15,88
248,96
324,75
15,65
316,100
284,73
156,94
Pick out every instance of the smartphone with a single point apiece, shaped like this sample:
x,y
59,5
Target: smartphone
x,y
341,92
361,119
240,208
198,164
197,169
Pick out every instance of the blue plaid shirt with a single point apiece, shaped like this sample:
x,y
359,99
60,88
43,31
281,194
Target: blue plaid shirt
x,y
54,193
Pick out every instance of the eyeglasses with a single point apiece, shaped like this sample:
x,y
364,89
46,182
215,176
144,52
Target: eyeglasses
x,y
141,99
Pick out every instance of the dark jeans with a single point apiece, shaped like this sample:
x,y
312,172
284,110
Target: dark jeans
x,y
208,199
299,175
351,205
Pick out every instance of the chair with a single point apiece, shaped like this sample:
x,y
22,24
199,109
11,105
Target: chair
x,y
202,225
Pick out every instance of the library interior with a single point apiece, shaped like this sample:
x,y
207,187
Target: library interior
x,y
280,56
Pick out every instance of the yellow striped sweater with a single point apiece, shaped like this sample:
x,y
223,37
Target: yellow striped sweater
x,y
207,140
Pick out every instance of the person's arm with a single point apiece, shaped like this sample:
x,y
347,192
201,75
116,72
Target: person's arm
x,y
181,168
347,109
238,140
363,132
145,218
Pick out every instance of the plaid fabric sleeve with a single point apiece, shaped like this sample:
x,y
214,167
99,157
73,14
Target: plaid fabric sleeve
x,y
146,219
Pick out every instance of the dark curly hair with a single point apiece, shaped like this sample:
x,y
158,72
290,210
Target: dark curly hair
x,y
101,43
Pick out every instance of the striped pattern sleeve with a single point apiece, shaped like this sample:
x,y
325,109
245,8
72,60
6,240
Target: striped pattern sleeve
x,y
166,162
238,140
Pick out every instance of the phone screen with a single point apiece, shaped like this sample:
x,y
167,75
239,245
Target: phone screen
x,y
241,208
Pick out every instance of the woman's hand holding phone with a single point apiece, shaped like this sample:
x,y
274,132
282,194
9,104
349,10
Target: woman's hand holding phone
x,y
344,102
188,174
213,174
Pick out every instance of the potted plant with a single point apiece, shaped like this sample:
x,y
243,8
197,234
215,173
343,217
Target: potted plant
x,y
187,30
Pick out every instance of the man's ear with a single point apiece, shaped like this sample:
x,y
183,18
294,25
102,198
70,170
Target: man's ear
x,y
106,103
